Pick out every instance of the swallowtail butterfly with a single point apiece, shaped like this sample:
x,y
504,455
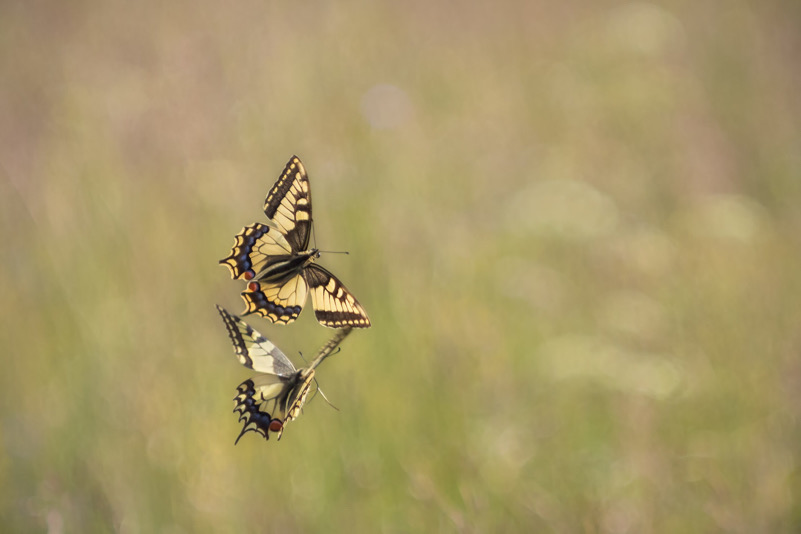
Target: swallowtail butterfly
x,y
268,401
276,261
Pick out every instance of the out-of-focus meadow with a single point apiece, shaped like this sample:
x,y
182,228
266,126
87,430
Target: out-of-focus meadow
x,y
576,227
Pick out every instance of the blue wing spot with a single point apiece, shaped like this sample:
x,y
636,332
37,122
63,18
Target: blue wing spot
x,y
260,302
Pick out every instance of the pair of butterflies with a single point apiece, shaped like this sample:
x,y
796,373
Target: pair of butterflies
x,y
276,261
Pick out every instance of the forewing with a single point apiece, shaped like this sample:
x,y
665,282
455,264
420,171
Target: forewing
x,y
288,205
279,302
334,305
253,350
253,247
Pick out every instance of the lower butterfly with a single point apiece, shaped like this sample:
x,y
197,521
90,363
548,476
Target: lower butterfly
x,y
274,397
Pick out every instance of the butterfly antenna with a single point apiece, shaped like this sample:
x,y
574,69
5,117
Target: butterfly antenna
x,y
323,394
314,235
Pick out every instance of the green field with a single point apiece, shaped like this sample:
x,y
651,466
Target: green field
x,y
576,227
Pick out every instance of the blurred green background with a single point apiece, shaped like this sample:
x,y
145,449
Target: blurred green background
x,y
575,226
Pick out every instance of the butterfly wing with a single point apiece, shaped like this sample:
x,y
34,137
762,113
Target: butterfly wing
x,y
266,403
280,302
255,351
288,205
334,305
252,402
254,246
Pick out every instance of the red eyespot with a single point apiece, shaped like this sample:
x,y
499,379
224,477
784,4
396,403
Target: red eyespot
x,y
248,275
253,286
276,425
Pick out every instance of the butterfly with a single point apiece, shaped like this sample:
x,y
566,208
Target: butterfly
x,y
274,397
276,261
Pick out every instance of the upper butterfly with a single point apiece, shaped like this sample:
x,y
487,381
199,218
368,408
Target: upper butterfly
x,y
279,265
273,398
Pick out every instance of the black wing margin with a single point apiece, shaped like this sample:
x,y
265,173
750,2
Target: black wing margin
x,y
334,305
249,411
288,205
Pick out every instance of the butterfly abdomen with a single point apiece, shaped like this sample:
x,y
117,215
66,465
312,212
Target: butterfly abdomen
x,y
293,401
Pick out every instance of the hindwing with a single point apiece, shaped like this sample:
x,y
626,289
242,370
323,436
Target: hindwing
x,y
266,403
253,412
280,302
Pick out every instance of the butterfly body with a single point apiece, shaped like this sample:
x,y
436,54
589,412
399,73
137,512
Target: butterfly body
x,y
280,267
